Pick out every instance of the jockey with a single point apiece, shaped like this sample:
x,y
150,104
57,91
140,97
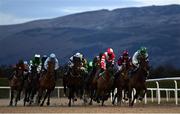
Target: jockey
x,y
107,58
141,53
19,65
77,57
36,62
124,59
97,61
43,59
26,68
52,57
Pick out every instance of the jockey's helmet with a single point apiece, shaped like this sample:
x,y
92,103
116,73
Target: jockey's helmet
x,y
110,51
125,53
37,56
143,50
79,55
52,55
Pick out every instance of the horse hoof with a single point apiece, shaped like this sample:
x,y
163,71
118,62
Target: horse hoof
x,y
69,105
90,103
98,101
48,103
10,104
140,98
75,99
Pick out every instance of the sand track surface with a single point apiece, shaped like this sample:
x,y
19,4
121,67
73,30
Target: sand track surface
x,y
60,106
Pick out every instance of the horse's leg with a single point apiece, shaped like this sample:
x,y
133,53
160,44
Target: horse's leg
x,y
135,97
32,96
47,92
92,92
130,96
97,96
12,96
25,96
40,93
114,98
119,98
144,92
70,96
102,101
103,98
17,97
64,85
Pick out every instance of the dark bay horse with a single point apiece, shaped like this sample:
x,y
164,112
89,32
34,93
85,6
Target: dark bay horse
x,y
138,81
16,85
31,85
104,84
47,83
75,82
121,82
91,83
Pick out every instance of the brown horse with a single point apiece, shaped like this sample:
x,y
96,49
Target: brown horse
x,y
121,82
16,84
31,85
47,83
104,84
92,81
74,81
138,81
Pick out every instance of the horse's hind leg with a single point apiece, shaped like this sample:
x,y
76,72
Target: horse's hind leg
x,y
12,96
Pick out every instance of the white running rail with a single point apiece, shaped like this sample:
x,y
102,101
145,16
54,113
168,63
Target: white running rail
x,y
167,90
157,90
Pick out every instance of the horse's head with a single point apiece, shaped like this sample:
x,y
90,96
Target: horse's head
x,y
19,71
77,62
34,69
110,68
51,66
144,64
125,70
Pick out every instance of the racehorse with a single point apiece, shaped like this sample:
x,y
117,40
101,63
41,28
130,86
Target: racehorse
x,y
47,83
31,85
75,81
16,84
92,82
138,81
121,82
104,83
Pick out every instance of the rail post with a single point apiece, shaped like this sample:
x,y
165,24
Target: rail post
x,y
176,92
152,97
158,92
58,91
167,97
